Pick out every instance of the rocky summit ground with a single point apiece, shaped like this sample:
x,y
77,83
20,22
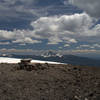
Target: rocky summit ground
x,y
49,82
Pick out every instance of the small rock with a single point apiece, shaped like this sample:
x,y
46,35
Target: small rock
x,y
86,99
76,98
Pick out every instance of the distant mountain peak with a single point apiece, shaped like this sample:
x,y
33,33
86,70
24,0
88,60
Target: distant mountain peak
x,y
51,54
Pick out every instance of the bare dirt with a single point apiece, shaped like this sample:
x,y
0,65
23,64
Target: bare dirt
x,y
49,82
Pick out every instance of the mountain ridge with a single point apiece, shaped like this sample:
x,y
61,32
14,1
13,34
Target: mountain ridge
x,y
69,59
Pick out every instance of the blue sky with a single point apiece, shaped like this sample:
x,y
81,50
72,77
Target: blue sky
x,y
50,24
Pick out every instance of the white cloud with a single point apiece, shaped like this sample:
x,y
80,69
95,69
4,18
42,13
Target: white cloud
x,y
17,36
92,7
68,24
69,40
57,28
66,45
26,40
6,34
54,40
72,41
66,28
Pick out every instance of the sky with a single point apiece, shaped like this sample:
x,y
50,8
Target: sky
x,y
50,24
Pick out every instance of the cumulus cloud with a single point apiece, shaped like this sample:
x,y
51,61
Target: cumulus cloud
x,y
17,36
66,45
68,29
92,7
65,24
58,28
72,41
6,34
26,40
65,28
54,40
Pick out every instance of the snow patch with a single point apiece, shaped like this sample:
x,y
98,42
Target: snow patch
x,y
15,60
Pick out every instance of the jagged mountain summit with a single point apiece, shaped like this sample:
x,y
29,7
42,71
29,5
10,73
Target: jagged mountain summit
x,y
51,54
